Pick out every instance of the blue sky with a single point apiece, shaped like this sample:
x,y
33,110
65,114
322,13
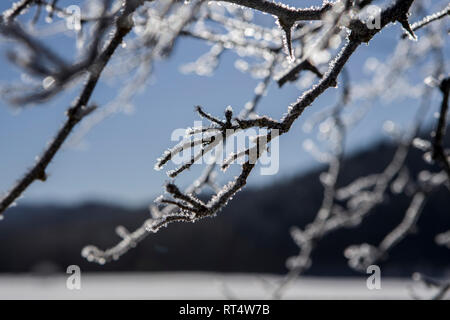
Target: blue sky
x,y
115,162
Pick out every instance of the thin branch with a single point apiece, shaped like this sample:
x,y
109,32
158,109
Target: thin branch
x,y
282,11
429,19
293,74
17,9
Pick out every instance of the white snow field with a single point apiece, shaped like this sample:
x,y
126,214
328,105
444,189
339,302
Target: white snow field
x,y
194,286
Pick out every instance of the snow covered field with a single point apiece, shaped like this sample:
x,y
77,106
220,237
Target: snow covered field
x,y
194,286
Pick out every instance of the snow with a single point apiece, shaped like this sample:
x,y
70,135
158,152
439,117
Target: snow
x,y
194,286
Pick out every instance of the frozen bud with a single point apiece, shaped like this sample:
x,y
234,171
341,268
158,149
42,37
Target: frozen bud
x,y
443,239
228,113
428,157
149,226
421,144
172,188
361,256
91,253
298,236
431,82
122,232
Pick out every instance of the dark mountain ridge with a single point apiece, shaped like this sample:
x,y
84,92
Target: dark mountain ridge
x,y
250,235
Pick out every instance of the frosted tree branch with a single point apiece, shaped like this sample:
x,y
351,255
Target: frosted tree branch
x,y
429,19
284,12
190,207
310,38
